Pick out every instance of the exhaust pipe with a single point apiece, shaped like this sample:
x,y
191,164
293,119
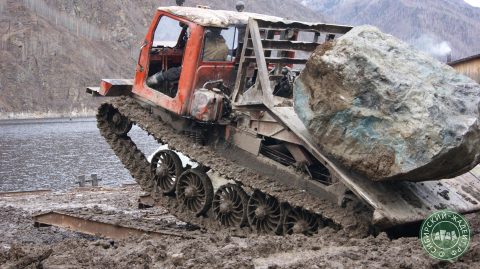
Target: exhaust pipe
x,y
240,6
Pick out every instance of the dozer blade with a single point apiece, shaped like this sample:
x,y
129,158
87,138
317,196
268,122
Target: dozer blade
x,y
395,203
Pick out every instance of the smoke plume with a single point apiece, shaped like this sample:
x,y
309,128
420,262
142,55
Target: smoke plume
x,y
432,45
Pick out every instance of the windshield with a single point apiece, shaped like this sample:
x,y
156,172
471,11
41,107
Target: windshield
x,y
167,32
220,44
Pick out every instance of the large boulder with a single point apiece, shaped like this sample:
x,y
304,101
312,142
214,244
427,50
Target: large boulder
x,y
385,111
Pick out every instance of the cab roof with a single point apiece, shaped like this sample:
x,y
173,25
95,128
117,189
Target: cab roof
x,y
216,18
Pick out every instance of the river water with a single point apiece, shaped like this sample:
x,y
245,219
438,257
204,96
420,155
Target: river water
x,y
50,153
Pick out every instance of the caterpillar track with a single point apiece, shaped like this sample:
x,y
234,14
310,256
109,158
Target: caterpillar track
x,y
259,167
290,203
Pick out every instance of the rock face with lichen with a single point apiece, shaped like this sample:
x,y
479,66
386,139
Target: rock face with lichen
x,y
385,111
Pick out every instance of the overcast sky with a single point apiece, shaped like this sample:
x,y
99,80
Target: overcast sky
x,y
475,3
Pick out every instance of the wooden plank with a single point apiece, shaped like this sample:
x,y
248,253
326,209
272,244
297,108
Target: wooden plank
x,y
286,45
320,27
96,228
278,60
283,53
289,45
297,30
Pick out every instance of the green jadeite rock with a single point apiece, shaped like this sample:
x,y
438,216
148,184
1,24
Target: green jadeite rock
x,y
388,112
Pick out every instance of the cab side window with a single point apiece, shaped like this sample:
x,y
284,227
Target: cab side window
x,y
220,44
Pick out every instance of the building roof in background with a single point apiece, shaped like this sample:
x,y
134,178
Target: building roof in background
x,y
473,57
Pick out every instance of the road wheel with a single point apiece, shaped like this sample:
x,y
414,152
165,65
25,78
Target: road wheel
x,y
195,191
230,205
166,167
299,220
264,213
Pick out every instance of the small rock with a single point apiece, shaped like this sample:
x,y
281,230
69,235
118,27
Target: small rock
x,y
177,259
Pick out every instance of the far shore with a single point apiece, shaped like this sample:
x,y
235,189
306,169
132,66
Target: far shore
x,y
5,116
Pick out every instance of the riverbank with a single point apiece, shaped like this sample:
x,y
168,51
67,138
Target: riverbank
x,y
47,120
200,248
47,115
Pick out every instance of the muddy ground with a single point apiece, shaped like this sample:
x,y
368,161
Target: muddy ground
x,y
206,248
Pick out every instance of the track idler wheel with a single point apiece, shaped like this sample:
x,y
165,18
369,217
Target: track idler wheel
x,y
119,124
299,220
195,191
264,213
230,205
166,167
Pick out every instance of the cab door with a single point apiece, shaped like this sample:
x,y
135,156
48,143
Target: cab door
x,y
171,43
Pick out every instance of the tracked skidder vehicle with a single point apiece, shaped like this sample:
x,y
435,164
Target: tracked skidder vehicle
x,y
217,86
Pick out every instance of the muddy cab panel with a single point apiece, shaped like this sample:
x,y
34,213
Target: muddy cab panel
x,y
168,62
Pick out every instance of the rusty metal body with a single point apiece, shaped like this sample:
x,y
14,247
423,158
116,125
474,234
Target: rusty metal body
x,y
235,101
